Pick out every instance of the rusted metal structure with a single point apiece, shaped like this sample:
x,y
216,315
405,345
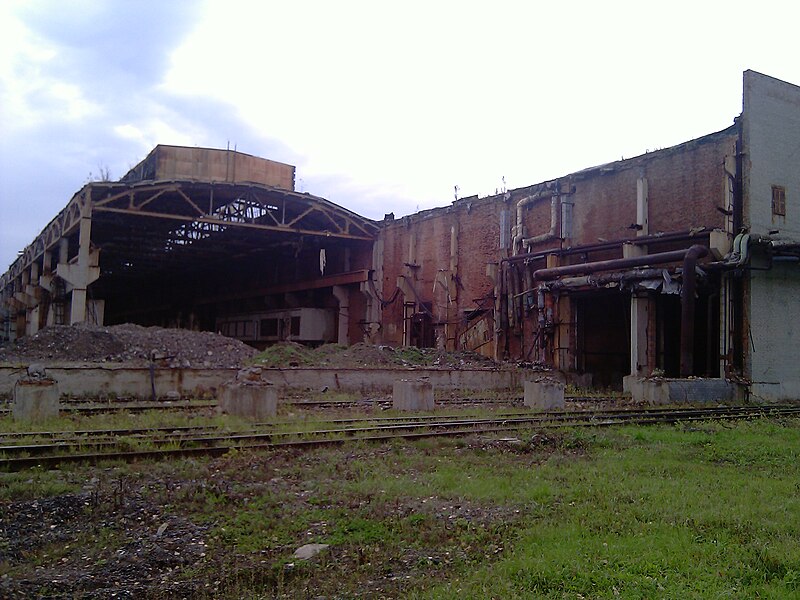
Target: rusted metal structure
x,y
187,236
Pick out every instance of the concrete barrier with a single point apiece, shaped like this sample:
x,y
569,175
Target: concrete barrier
x,y
35,400
545,394
666,390
412,395
113,379
254,402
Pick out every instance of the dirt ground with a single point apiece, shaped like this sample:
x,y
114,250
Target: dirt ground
x,y
228,527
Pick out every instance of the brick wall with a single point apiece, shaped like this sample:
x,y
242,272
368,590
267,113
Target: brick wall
x,y
686,185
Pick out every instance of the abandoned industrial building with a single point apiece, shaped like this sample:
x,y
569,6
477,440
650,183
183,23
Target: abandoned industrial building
x,y
681,262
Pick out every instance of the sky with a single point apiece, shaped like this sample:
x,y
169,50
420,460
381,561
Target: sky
x,y
381,106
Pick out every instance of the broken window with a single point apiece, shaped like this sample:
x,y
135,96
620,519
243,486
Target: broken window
x,y
779,200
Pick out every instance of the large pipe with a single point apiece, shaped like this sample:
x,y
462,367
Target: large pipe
x,y
610,265
687,308
689,258
678,236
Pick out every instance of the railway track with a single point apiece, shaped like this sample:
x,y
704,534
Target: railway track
x,y
25,450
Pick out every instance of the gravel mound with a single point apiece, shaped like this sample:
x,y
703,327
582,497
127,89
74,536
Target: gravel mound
x,y
130,344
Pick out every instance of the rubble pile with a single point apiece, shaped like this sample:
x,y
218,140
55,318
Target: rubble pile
x,y
130,344
362,355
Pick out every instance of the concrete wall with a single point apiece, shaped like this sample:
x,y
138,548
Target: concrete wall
x,y
771,137
124,381
774,349
127,381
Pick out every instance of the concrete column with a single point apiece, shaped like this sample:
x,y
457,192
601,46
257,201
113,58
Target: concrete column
x,y
63,251
342,295
81,272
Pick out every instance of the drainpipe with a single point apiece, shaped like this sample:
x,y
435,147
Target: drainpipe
x,y
687,308
519,231
555,207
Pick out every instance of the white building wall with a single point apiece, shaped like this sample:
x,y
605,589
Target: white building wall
x,y
771,140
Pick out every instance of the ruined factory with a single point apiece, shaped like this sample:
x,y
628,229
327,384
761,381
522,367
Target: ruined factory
x,y
680,263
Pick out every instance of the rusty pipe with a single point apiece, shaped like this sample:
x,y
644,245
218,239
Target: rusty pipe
x,y
689,258
687,307
610,265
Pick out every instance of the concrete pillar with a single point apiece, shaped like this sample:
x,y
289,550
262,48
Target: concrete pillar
x,y
35,399
63,251
83,271
412,395
544,394
33,293
253,402
342,295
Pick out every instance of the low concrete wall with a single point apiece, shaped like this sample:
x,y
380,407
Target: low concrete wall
x,y
382,380
92,380
682,391
78,380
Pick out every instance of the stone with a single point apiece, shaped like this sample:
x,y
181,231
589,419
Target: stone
x,y
36,371
249,401
412,395
544,394
309,551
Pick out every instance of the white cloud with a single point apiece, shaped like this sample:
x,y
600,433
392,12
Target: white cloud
x,y
382,107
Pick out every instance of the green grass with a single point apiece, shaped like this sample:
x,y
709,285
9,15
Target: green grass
x,y
702,511
660,512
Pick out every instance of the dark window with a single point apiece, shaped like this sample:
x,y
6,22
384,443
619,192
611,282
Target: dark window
x,y
296,326
779,200
269,328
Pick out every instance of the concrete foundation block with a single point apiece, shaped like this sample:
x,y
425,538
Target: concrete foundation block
x,y
249,401
35,399
665,390
544,394
412,395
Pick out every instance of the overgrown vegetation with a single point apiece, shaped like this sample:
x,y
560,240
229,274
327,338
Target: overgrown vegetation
x,y
703,511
